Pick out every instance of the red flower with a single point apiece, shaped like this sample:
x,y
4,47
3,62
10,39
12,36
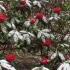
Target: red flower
x,y
32,20
52,7
44,61
20,8
41,44
22,2
67,57
57,10
47,42
2,17
39,15
10,57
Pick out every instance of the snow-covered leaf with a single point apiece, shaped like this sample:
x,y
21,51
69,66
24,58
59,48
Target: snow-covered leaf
x,y
11,33
1,2
23,31
28,3
15,38
39,34
13,25
28,41
43,38
44,19
37,68
19,35
3,27
35,2
12,68
27,23
67,38
0,68
50,18
39,5
2,8
52,36
53,56
46,35
64,66
17,20
61,56
46,30
31,34
64,45
8,24
6,65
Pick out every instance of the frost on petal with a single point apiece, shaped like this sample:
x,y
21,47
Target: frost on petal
x,y
53,56
61,56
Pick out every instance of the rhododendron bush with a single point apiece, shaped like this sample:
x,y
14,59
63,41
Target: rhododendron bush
x,y
38,27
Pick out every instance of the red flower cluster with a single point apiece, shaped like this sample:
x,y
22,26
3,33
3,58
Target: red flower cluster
x,y
20,8
2,17
44,61
52,7
22,2
47,43
57,10
39,15
41,44
67,57
32,20
10,57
